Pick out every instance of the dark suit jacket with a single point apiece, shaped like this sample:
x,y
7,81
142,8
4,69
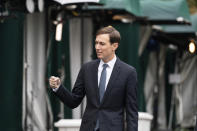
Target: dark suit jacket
x,y
120,96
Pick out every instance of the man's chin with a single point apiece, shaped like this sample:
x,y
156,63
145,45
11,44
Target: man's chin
x,y
99,57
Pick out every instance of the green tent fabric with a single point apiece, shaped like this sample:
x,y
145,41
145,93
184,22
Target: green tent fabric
x,y
131,6
178,29
165,9
194,21
11,70
182,28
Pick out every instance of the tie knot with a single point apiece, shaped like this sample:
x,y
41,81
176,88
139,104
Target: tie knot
x,y
105,66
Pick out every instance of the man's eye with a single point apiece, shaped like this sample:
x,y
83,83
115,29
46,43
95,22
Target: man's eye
x,y
102,43
96,43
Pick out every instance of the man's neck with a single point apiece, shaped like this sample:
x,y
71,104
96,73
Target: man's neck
x,y
109,59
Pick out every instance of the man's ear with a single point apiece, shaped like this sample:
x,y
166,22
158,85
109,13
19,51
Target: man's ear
x,y
115,46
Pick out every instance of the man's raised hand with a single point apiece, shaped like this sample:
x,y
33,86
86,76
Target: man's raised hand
x,y
54,82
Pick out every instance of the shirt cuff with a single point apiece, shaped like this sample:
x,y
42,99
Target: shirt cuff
x,y
55,89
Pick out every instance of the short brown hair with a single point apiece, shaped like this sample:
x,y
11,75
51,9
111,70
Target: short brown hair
x,y
114,35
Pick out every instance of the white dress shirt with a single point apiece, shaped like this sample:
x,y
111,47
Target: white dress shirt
x,y
108,69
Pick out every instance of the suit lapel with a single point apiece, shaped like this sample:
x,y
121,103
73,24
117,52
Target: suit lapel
x,y
114,76
95,79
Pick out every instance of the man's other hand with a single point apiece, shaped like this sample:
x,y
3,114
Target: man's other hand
x,y
54,82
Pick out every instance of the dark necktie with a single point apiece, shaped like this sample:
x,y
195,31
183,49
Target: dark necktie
x,y
101,89
102,82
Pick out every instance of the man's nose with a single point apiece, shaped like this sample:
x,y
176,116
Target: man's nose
x,y
97,46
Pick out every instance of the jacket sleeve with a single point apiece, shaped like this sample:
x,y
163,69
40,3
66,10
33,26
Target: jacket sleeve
x,y
74,98
131,102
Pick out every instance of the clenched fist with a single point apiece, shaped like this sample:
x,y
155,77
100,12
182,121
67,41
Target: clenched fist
x,y
54,82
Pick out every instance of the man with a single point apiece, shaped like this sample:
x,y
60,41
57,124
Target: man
x,y
110,86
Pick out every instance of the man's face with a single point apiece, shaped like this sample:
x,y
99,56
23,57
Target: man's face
x,y
104,49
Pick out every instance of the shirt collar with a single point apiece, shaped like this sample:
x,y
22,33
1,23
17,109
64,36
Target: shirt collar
x,y
110,63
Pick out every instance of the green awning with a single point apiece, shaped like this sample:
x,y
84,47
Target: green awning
x,y
178,29
165,9
171,12
183,28
131,6
194,21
